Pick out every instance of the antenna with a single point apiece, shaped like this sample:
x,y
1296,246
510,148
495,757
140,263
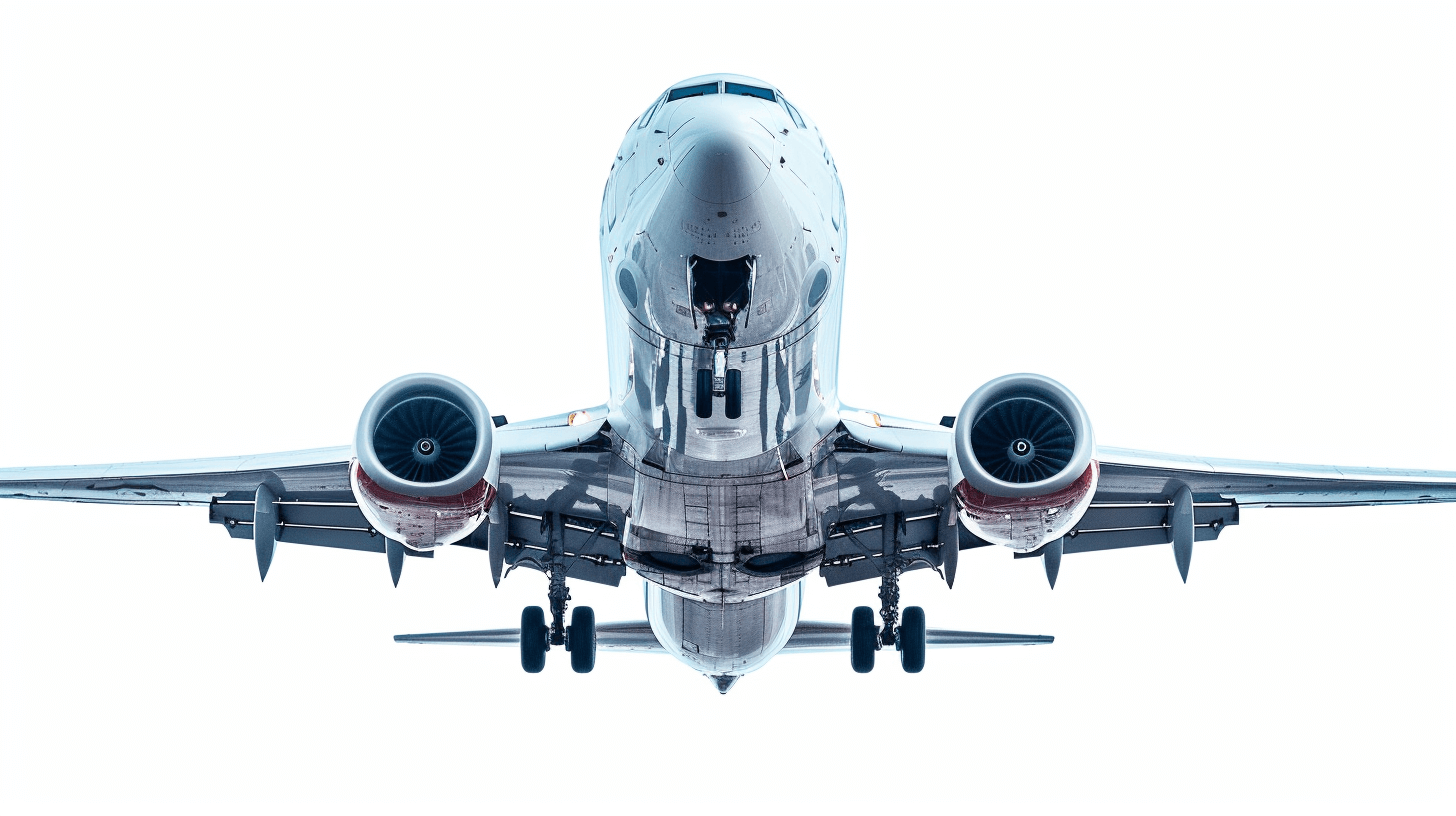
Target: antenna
x,y
692,307
752,278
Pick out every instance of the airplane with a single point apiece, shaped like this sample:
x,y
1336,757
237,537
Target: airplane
x,y
723,468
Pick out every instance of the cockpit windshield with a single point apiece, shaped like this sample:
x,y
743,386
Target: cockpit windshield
x,y
692,90
749,90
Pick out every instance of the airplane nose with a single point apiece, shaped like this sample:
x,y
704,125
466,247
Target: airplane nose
x,y
723,160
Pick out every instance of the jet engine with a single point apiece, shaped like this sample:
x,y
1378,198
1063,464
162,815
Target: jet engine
x,y
1023,469
425,464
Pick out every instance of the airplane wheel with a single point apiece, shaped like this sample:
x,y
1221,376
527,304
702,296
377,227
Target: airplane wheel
x,y
911,639
863,639
733,398
581,639
533,639
703,396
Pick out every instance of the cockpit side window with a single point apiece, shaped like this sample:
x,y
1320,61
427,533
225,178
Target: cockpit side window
x,y
692,90
749,90
651,112
793,112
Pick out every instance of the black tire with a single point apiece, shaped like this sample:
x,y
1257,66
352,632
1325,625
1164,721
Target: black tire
x,y
704,396
912,639
581,639
733,399
864,639
533,639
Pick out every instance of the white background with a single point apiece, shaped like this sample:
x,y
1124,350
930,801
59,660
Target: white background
x,y
1230,229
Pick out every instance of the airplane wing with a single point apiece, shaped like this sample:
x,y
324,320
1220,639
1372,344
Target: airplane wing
x,y
890,495
893,476
1137,491
553,494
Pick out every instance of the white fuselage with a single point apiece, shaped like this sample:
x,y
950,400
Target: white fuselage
x,y
723,246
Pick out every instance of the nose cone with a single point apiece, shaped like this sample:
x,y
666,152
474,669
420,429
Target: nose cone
x,y
725,154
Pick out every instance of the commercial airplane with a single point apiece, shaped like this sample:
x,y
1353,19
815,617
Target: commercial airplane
x,y
723,467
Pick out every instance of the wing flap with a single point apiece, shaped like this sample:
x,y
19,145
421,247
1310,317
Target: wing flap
x,y
318,523
1115,525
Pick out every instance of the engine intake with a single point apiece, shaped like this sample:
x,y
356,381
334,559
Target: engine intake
x,y
425,461
1023,469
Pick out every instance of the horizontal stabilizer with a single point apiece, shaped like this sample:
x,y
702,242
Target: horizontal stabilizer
x,y
816,636
809,636
621,636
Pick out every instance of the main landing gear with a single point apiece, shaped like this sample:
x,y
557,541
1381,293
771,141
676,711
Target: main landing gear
x,y
579,639
907,635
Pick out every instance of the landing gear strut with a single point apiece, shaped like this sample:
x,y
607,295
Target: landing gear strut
x,y
890,603
559,596
579,639
907,636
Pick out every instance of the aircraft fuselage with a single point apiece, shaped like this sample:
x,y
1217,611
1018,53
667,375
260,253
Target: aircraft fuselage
x,y
723,247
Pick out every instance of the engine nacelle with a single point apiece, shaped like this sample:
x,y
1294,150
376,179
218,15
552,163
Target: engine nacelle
x,y
425,465
1023,471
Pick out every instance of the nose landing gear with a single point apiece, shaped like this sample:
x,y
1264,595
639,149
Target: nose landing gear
x,y
907,635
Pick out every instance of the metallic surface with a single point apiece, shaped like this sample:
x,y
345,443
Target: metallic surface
x,y
1023,385
421,522
722,467
1027,522
723,177
483,457
724,639
808,637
